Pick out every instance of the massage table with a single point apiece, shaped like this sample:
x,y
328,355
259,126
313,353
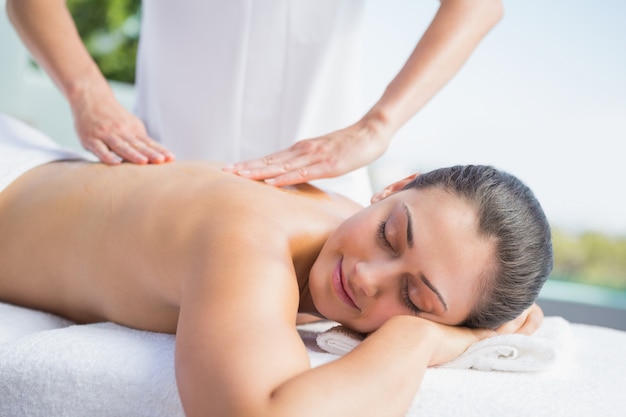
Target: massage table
x,y
51,367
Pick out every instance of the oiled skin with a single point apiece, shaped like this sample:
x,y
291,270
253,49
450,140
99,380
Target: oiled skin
x,y
91,242
224,263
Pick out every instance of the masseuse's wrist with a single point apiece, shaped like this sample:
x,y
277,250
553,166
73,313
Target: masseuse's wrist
x,y
378,125
87,89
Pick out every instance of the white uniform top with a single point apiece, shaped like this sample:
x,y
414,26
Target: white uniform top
x,y
238,79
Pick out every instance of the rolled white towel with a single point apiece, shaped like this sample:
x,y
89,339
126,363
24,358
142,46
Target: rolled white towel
x,y
339,340
513,352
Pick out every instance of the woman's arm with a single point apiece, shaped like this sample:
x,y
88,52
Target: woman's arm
x,y
456,30
238,352
104,126
263,371
382,375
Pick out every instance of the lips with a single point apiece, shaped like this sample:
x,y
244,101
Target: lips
x,y
340,286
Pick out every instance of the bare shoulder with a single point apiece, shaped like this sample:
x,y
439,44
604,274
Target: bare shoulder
x,y
336,201
237,318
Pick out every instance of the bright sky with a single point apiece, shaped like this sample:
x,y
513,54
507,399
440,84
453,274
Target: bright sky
x,y
543,97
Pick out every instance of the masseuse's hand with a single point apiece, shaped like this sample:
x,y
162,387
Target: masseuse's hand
x,y
112,133
323,157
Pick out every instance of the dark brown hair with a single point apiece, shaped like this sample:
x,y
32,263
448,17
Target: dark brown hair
x,y
510,215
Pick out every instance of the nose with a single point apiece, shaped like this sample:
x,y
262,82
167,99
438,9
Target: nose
x,y
367,279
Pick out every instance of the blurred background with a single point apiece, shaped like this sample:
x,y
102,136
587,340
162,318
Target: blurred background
x,y
543,97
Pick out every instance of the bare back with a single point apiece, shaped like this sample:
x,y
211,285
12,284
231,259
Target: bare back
x,y
92,242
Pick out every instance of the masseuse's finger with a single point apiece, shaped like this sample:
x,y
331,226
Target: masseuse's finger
x,y
139,149
300,175
304,161
291,166
323,157
125,150
154,152
113,133
296,170
102,152
276,163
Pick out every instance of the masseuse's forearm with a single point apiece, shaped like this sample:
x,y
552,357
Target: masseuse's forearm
x,y
456,30
48,31
378,378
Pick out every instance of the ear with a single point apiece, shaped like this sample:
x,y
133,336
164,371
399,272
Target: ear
x,y
392,188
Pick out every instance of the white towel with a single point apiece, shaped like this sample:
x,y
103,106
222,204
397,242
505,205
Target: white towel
x,y
339,340
17,322
96,370
23,148
105,370
514,352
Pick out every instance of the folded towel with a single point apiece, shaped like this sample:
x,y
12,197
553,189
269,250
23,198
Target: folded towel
x,y
339,340
513,352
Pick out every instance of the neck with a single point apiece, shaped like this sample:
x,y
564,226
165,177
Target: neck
x,y
329,211
303,262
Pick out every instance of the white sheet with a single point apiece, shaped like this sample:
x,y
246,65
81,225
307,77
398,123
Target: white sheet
x,y
49,367
22,148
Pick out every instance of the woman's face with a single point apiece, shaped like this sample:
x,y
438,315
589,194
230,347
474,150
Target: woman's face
x,y
413,252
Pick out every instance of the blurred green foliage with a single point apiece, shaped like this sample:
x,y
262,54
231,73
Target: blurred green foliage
x,y
110,31
590,258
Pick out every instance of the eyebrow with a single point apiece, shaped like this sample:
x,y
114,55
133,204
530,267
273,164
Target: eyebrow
x,y
409,226
409,239
433,289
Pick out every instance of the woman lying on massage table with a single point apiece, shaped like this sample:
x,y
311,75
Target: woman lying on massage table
x,y
220,260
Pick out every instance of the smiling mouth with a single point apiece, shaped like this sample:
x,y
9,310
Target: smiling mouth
x,y
339,286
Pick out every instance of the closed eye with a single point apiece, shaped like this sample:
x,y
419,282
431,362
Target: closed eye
x,y
407,300
383,237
